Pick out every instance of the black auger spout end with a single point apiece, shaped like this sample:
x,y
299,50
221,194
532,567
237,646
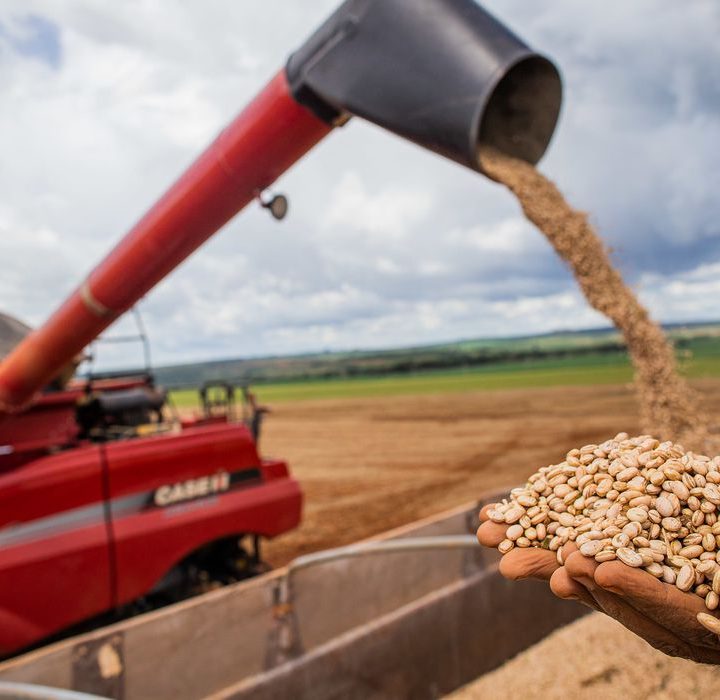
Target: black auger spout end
x,y
444,74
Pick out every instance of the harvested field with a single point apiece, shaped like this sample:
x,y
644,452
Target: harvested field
x,y
370,464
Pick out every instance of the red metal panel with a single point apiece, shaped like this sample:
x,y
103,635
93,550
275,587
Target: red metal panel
x,y
271,134
143,465
54,568
52,583
148,543
149,540
49,486
49,422
54,558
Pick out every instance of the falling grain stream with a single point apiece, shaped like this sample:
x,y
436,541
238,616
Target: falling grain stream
x,y
669,407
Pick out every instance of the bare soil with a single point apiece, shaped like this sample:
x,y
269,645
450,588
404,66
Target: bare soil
x,y
367,465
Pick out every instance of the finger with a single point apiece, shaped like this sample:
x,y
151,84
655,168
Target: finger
x,y
582,569
665,603
563,586
530,562
649,629
491,534
484,512
567,550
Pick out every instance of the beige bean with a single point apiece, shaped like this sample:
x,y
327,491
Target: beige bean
x,y
678,562
709,622
632,529
566,519
605,555
706,568
496,515
685,578
702,589
629,556
620,540
526,500
671,524
664,506
698,518
712,493
669,575
514,531
505,546
655,569
716,581
692,551
538,518
514,514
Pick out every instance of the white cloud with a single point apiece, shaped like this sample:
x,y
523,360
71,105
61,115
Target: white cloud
x,y
390,212
385,244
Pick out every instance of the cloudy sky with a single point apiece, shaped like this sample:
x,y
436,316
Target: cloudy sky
x,y
102,105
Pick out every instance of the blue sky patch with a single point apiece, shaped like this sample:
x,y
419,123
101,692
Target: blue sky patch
x,y
35,37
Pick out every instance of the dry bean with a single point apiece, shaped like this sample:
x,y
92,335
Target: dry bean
x,y
605,555
620,540
685,578
664,506
655,569
514,514
514,531
671,524
505,546
691,551
702,589
669,575
629,556
644,503
709,622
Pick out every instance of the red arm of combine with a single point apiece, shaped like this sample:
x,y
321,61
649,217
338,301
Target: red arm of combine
x,y
271,134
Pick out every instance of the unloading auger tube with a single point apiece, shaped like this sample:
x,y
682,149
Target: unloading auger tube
x,y
442,73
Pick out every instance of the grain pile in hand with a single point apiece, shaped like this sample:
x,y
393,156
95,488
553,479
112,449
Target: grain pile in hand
x,y
649,504
669,407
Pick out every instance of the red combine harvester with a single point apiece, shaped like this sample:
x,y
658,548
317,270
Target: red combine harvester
x,y
102,502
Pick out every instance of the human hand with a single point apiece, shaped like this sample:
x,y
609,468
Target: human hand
x,y
658,612
529,562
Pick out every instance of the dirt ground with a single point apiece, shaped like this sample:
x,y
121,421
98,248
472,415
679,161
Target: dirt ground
x,y
367,465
